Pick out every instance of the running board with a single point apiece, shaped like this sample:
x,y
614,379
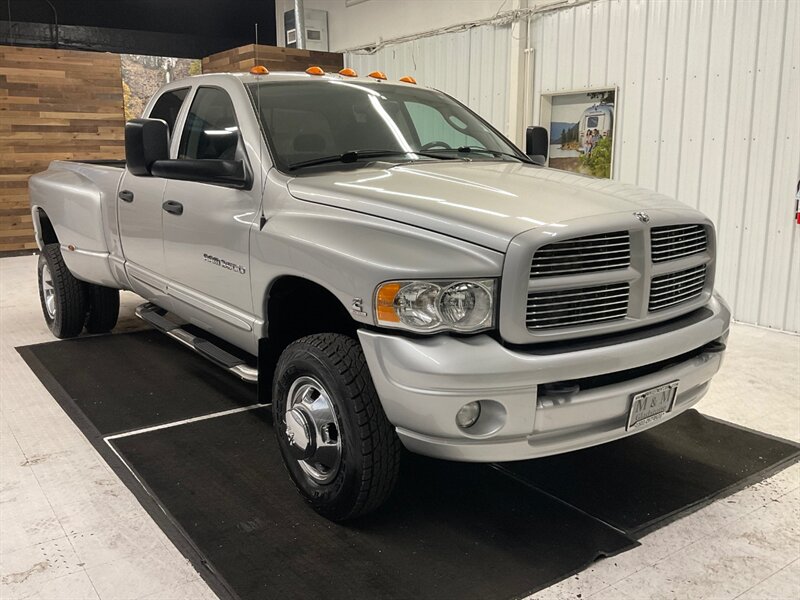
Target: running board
x,y
155,316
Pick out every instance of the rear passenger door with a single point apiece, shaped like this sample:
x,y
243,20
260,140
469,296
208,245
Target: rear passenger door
x,y
206,246
140,214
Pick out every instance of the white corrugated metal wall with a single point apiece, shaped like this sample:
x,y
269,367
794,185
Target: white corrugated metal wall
x,y
709,92
472,66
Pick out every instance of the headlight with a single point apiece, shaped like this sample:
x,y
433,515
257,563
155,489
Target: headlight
x,y
429,306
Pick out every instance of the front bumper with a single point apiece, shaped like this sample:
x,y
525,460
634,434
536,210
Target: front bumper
x,y
423,382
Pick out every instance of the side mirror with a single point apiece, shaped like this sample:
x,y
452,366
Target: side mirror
x,y
537,144
222,172
146,141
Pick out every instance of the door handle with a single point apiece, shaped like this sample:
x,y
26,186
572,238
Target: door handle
x,y
171,206
126,196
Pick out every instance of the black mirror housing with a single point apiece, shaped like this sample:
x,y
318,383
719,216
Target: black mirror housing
x,y
537,144
146,141
232,173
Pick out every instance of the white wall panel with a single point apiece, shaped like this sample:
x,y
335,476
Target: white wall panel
x,y
472,66
708,96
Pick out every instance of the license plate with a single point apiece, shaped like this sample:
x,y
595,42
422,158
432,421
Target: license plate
x,y
650,406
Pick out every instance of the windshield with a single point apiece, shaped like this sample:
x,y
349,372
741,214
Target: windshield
x,y
310,121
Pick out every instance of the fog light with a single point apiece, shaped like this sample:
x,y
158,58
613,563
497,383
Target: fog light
x,y
468,414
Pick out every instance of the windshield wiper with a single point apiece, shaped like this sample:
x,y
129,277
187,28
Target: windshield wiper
x,y
480,150
355,155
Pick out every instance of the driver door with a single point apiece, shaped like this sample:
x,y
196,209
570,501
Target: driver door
x,y
207,226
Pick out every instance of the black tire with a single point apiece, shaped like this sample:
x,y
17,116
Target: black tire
x,y
369,464
103,304
67,312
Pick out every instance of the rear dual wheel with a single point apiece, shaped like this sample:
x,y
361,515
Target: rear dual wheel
x,y
69,304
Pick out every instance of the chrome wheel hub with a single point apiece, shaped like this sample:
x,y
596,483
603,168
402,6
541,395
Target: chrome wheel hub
x,y
312,429
48,292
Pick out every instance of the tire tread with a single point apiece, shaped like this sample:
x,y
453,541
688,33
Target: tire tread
x,y
70,295
380,447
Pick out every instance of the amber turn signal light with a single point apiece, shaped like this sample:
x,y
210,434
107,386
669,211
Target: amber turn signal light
x,y
378,75
384,302
259,70
408,79
348,72
315,71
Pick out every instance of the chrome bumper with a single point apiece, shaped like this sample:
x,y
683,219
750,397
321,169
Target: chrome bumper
x,y
423,382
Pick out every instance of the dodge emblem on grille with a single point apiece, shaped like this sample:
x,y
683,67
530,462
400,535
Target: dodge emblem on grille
x,y
642,216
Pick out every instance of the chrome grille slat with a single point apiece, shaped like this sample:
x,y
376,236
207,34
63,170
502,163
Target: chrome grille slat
x,y
622,297
590,269
681,247
674,302
582,314
558,310
671,229
694,287
683,279
568,246
566,308
675,288
580,322
696,241
612,252
587,254
672,242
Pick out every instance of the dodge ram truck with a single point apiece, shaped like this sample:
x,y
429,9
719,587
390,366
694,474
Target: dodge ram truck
x,y
391,271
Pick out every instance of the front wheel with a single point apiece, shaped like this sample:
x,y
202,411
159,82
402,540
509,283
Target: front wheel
x,y
63,297
337,444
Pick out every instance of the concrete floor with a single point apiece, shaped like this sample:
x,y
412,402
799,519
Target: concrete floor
x,y
70,529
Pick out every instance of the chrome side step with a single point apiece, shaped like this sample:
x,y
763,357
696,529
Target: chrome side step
x,y
155,316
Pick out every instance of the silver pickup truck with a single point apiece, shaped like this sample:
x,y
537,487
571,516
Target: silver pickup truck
x,y
390,270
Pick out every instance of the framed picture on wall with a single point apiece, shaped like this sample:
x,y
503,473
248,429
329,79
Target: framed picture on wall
x,y
581,128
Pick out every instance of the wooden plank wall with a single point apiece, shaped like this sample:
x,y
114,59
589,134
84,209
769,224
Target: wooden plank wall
x,y
273,57
67,104
54,104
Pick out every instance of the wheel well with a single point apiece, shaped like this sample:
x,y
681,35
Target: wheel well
x,y
46,229
297,307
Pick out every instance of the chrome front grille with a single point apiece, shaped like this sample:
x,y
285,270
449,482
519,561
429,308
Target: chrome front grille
x,y
566,308
676,288
676,241
610,280
587,254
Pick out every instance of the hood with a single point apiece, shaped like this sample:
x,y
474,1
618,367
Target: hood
x,y
486,203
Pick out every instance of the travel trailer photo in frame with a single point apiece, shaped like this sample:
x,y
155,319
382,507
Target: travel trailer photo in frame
x,y
581,128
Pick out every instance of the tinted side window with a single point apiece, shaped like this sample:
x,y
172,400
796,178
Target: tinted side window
x,y
168,105
211,130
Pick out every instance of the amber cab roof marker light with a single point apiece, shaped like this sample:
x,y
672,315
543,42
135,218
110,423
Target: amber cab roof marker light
x,y
408,79
259,70
348,72
315,71
378,75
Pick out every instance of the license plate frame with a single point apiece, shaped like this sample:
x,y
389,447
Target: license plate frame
x,y
651,405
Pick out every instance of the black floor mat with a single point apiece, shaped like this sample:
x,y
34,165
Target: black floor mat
x,y
642,482
135,380
452,530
